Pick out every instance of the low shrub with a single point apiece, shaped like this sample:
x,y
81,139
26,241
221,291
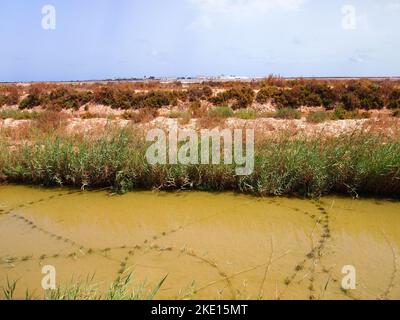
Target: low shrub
x,y
362,95
220,112
287,99
237,98
287,113
317,117
199,93
142,115
267,94
3,100
30,101
317,94
311,94
396,113
354,94
394,99
128,99
62,98
158,99
340,113
350,101
103,96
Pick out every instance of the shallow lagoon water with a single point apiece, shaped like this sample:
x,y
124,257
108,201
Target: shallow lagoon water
x,y
211,245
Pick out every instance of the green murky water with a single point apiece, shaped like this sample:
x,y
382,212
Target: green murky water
x,y
211,246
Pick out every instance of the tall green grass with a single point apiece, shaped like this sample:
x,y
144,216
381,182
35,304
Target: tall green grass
x,y
18,114
220,112
358,164
287,113
122,288
246,114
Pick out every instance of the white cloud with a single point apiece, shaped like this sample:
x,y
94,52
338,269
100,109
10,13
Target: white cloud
x,y
240,6
237,10
203,22
393,6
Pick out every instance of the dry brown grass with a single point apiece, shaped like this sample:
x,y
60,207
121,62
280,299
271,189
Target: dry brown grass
x,y
15,135
207,122
50,121
141,116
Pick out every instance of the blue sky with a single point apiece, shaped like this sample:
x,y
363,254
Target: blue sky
x,y
97,39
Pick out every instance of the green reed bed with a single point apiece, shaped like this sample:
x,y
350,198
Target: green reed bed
x,y
357,164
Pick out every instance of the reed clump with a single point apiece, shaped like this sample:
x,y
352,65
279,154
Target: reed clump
x,y
121,288
355,164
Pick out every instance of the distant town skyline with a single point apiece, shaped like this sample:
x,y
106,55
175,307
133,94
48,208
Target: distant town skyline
x,y
105,39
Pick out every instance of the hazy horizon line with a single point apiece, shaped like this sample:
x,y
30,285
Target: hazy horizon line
x,y
210,78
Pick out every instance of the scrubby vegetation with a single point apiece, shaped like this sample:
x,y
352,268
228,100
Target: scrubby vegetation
x,y
32,100
350,164
317,117
287,113
396,113
339,113
221,112
124,99
361,94
347,95
9,95
394,99
198,93
237,98
63,98
18,115
247,114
